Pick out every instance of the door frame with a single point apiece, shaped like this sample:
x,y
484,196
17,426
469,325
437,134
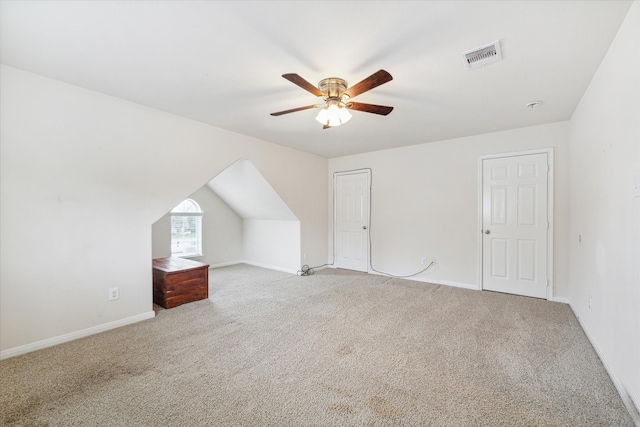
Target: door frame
x,y
550,185
335,212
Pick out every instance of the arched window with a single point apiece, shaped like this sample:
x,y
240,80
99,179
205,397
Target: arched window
x,y
186,229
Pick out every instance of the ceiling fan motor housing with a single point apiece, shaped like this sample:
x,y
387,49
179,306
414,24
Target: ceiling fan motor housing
x,y
332,87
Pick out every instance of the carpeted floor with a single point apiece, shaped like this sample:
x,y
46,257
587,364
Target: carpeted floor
x,y
334,349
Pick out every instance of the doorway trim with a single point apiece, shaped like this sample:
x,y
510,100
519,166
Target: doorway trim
x,y
335,213
550,185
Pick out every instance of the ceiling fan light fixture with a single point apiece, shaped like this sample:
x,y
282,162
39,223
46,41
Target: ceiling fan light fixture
x,y
323,116
344,115
333,114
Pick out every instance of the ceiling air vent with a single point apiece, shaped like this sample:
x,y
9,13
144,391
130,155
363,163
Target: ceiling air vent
x,y
483,55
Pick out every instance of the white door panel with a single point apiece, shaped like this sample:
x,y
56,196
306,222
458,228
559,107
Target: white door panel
x,y
515,224
351,220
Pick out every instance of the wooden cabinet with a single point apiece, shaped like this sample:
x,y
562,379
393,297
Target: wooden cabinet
x,y
177,281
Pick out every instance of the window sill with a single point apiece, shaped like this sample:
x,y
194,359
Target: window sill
x,y
188,256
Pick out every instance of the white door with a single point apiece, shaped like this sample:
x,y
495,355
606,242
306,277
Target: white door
x,y
515,224
351,222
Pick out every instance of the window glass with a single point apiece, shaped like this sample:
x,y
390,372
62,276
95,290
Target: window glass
x,y
186,229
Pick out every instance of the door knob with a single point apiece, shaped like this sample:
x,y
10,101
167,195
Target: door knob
x,y
364,227
487,231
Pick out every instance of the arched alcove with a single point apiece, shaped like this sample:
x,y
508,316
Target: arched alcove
x,y
244,220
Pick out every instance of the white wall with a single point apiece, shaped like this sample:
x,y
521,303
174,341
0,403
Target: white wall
x,y
424,202
270,230
83,177
605,161
271,244
161,237
221,231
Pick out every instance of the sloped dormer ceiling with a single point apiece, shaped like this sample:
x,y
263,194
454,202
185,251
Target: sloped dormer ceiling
x,y
245,190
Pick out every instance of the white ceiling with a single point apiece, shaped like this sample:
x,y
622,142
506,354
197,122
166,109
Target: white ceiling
x,y
221,62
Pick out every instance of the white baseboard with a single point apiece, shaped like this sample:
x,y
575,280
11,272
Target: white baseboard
x,y
635,412
255,264
224,264
632,404
448,283
562,300
270,267
322,267
50,342
427,280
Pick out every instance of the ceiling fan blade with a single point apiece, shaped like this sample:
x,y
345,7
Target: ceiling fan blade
x,y
374,80
326,127
370,108
297,80
293,110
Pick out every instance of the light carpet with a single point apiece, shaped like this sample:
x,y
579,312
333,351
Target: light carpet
x,y
334,349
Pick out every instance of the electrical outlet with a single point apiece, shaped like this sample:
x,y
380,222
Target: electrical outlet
x,y
590,302
304,255
114,293
424,261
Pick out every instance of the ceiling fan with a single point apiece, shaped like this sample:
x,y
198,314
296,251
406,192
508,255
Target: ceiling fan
x,y
336,97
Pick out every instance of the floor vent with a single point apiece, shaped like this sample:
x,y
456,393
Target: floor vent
x,y
482,56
